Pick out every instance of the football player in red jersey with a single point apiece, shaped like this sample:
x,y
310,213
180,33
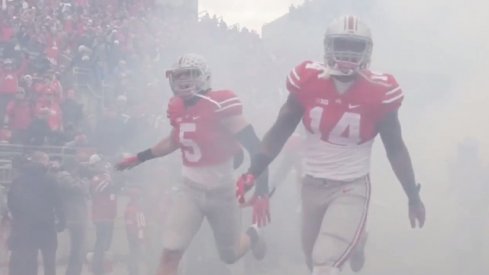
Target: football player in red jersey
x,y
343,106
208,127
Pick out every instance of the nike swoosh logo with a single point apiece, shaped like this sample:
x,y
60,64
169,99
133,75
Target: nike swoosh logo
x,y
353,106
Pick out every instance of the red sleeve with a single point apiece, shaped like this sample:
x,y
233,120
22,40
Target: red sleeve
x,y
294,82
392,97
176,108
302,77
228,104
301,74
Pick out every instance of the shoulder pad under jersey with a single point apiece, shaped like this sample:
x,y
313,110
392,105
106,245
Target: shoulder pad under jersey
x,y
302,74
226,102
389,91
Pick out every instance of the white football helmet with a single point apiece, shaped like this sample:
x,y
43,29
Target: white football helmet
x,y
347,45
189,76
94,159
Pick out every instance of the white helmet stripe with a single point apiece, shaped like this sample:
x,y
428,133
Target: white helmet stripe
x,y
347,28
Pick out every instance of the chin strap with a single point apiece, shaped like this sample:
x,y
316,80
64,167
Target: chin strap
x,y
338,72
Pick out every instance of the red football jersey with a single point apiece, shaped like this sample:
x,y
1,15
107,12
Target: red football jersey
x,y
104,199
198,129
349,118
341,126
135,219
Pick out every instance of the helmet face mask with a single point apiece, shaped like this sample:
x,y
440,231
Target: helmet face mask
x,y
347,45
185,82
189,76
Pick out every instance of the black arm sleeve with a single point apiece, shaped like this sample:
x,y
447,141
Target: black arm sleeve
x,y
250,141
259,163
145,155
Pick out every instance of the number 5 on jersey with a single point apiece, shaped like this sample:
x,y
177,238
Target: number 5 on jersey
x,y
346,130
191,150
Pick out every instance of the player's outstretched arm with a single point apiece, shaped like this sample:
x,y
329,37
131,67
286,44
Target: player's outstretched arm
x,y
245,134
164,147
400,160
288,118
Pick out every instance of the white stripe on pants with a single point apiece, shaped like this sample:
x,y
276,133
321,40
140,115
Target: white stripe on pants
x,y
334,218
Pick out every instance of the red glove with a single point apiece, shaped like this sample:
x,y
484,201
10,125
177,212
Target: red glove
x,y
261,211
127,163
244,184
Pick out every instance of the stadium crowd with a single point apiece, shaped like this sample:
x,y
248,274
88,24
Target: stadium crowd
x,y
88,75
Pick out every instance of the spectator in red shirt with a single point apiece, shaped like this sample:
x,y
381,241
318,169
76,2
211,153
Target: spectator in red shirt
x,y
52,52
9,84
6,32
19,111
18,116
48,103
55,86
49,84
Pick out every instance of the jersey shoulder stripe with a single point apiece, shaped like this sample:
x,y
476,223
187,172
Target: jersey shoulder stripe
x,y
302,74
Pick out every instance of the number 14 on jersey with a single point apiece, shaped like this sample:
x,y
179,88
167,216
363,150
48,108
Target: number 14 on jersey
x,y
345,131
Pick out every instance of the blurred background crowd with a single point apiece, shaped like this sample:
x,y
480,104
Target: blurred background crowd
x,y
84,81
